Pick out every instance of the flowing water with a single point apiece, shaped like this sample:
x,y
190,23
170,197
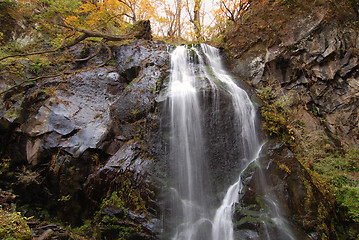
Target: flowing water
x,y
186,144
195,213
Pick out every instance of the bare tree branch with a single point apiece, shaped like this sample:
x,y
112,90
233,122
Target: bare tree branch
x,y
229,11
109,52
30,80
42,52
88,33
132,7
143,31
93,54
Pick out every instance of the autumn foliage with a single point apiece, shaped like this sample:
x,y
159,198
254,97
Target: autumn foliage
x,y
196,20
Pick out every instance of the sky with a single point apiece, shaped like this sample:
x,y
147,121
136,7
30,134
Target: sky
x,y
206,17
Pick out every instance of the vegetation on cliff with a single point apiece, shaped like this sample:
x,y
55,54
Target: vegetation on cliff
x,y
275,38
266,22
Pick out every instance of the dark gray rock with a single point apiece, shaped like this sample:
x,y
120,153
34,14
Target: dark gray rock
x,y
316,63
141,67
311,75
288,184
94,134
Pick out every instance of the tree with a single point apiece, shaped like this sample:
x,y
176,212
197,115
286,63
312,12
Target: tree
x,y
234,9
93,19
178,4
168,18
108,16
132,7
165,18
195,19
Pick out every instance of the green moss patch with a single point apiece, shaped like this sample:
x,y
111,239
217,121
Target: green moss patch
x,y
13,226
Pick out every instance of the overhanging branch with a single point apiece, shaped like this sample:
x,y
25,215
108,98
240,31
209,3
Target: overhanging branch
x,y
143,30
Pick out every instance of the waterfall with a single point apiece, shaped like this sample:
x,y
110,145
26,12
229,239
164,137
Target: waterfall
x,y
195,70
186,142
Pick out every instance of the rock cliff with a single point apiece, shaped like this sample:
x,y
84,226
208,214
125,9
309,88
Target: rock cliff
x,y
302,59
85,143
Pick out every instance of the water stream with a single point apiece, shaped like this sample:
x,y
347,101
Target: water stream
x,y
195,213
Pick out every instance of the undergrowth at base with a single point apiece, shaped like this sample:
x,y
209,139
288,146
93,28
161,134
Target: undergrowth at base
x,y
13,226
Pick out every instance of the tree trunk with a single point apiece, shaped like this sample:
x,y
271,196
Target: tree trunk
x,y
197,18
178,15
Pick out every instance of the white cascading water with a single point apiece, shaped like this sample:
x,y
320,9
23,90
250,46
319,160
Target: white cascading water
x,y
195,219
245,113
186,144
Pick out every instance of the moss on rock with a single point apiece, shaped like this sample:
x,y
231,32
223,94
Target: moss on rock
x,y
13,226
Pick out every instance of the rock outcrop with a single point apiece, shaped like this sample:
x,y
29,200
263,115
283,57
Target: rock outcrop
x,y
307,68
84,143
314,65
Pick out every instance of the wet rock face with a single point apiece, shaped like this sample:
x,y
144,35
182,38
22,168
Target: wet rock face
x,y
289,186
317,65
139,68
312,75
224,151
81,137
